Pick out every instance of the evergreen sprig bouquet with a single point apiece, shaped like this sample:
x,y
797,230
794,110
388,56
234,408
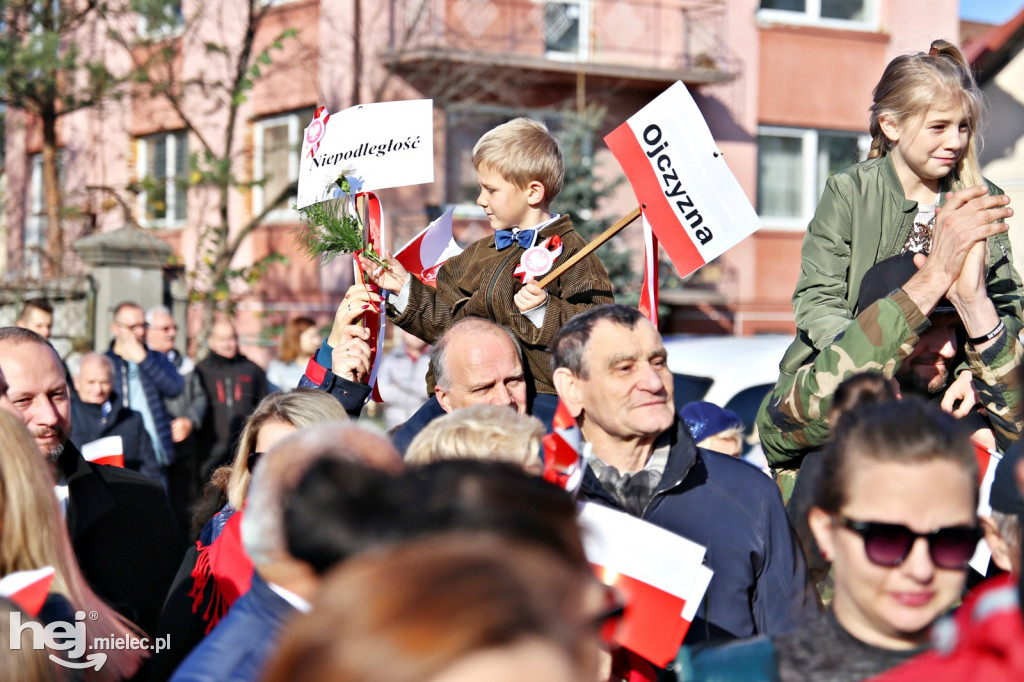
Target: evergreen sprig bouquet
x,y
334,226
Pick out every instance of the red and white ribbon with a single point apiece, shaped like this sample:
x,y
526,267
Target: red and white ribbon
x,y
537,260
316,129
374,233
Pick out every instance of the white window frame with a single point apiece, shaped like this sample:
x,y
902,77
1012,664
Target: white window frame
x,y
36,221
296,122
810,191
811,16
141,170
582,53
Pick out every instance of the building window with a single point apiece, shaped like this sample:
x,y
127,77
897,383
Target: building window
x,y
36,229
792,167
277,144
162,164
567,28
840,13
465,127
33,240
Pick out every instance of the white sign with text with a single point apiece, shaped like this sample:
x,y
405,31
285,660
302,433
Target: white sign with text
x,y
387,144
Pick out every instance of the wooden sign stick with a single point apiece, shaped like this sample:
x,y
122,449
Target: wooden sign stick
x,y
586,250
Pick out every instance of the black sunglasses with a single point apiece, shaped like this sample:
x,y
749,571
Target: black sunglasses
x,y
889,544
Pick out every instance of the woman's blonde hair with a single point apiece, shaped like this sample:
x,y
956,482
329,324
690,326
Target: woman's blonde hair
x,y
33,535
300,408
480,432
912,83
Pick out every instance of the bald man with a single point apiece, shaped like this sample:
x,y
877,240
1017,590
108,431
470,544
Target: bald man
x,y
475,362
97,413
235,385
144,379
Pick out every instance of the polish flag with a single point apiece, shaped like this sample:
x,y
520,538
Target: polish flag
x,y
660,575
563,464
108,450
424,255
693,201
987,462
28,589
649,291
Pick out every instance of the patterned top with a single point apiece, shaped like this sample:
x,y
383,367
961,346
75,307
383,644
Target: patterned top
x,y
824,650
920,238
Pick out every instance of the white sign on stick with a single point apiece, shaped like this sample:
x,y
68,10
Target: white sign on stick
x,y
686,191
386,144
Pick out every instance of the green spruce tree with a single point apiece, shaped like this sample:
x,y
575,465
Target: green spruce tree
x,y
582,194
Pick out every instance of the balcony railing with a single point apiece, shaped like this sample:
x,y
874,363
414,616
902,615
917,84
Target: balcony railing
x,y
661,39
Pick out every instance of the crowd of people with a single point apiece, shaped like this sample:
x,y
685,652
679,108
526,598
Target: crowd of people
x,y
252,534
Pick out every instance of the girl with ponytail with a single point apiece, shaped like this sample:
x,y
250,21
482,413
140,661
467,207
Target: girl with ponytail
x,y
925,128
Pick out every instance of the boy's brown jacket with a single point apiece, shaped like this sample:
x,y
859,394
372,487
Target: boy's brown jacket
x,y
479,283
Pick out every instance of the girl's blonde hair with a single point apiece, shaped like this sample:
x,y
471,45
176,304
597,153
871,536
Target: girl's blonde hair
x,y
911,83
300,408
33,535
494,432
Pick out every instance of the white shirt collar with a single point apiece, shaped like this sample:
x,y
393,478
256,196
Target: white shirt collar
x,y
295,600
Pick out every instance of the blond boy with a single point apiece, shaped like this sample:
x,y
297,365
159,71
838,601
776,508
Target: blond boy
x,y
519,170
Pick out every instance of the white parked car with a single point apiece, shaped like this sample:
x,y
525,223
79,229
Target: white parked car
x,y
734,372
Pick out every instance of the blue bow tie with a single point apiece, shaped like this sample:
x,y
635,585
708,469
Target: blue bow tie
x,y
503,238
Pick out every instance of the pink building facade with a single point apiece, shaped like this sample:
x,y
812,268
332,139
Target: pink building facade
x,y
785,86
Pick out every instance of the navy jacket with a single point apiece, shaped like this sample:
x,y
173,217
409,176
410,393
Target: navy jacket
x,y
89,424
240,645
760,584
160,380
350,394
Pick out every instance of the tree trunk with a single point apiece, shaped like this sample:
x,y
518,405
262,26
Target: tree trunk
x,y
54,256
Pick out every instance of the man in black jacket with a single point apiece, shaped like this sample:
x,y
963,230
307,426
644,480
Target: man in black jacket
x,y
611,372
120,524
97,413
235,385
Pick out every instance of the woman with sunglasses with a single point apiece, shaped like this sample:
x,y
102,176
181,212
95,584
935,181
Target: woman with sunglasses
x,y
895,514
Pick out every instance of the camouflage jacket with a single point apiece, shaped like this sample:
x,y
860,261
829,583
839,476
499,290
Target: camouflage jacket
x,y
793,419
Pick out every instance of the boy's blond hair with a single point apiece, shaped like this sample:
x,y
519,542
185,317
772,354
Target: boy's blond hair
x,y
523,150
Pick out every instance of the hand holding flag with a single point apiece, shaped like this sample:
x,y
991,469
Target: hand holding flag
x,y
661,575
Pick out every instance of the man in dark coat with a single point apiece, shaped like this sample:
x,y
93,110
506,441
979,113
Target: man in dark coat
x,y
235,385
121,527
611,373
96,413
